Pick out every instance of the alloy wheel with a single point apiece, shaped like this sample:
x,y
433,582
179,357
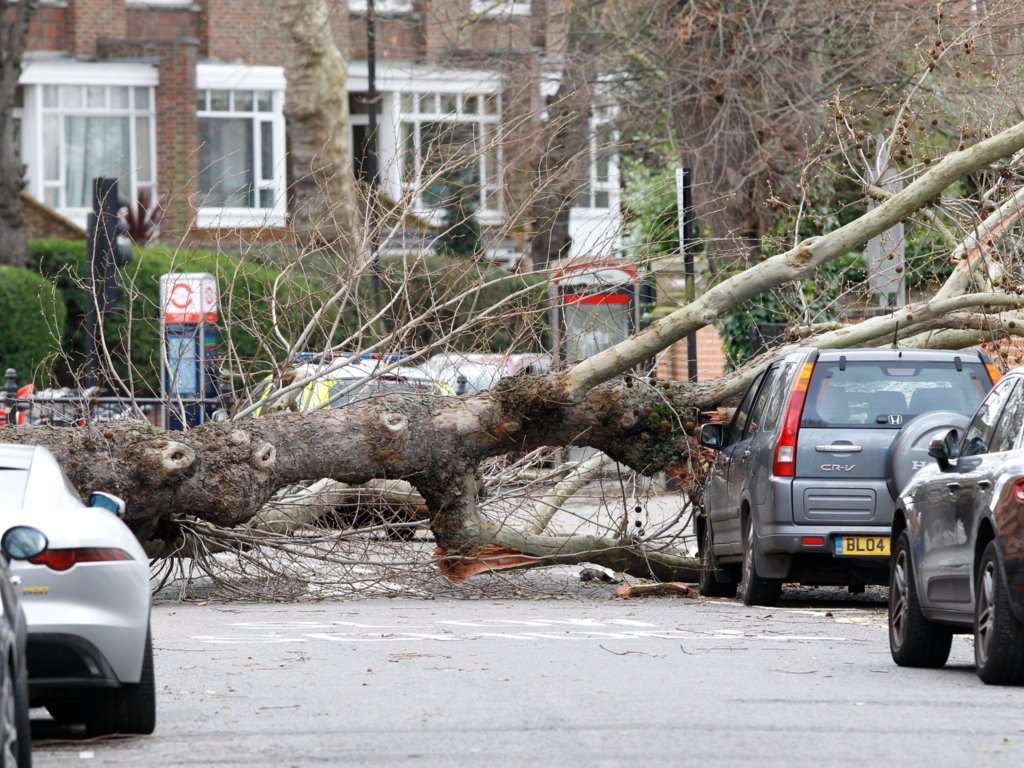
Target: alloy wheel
x,y
898,623
986,612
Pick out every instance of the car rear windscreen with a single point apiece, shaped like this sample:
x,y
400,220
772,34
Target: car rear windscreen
x,y
886,395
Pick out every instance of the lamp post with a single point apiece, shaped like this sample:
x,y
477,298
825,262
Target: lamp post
x,y
371,147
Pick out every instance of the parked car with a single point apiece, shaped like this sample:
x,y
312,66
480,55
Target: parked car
x,y
958,556
18,543
86,599
353,382
806,474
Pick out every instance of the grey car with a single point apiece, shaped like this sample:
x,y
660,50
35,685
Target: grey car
x,y
958,544
806,474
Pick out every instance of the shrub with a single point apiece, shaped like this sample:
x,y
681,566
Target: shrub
x,y
32,318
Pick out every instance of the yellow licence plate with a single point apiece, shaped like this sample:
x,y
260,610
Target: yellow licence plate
x,y
862,546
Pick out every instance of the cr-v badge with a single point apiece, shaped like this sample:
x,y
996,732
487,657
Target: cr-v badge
x,y
837,467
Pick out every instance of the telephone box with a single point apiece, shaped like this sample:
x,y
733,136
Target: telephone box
x,y
594,305
189,320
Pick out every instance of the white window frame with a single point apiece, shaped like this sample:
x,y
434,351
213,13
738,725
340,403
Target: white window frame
x,y
492,8
218,77
412,183
161,3
382,7
602,116
39,74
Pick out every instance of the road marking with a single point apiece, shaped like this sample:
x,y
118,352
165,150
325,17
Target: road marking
x,y
462,630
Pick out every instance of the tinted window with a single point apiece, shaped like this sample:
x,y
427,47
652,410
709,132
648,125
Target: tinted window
x,y
1011,424
739,420
777,399
888,394
759,410
979,433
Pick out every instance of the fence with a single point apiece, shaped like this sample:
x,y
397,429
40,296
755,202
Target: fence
x,y
78,407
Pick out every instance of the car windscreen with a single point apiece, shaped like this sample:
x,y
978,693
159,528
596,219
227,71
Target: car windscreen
x,y
376,388
13,482
885,395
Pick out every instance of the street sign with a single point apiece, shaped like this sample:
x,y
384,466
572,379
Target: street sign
x,y
188,297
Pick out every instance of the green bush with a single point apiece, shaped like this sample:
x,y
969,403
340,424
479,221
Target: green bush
x,y
132,331
32,317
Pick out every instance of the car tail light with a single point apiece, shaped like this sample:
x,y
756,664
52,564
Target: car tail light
x,y
1018,489
993,374
785,451
62,559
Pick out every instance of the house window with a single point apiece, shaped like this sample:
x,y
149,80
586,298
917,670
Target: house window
x,y
499,7
96,130
602,189
451,149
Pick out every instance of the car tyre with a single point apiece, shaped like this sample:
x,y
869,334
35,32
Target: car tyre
x,y
712,581
913,640
754,589
998,636
130,708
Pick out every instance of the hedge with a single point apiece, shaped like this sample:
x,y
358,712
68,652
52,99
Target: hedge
x,y
32,319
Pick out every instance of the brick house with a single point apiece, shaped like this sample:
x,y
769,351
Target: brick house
x,y
183,101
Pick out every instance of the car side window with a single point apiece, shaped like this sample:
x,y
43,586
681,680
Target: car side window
x,y
979,433
760,407
1009,426
739,421
777,398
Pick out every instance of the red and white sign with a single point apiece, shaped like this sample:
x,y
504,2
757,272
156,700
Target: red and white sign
x,y
188,297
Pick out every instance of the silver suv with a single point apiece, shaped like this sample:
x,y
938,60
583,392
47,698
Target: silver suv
x,y
807,472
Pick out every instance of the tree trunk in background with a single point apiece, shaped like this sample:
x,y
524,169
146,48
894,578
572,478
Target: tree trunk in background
x,y
13,32
563,164
316,110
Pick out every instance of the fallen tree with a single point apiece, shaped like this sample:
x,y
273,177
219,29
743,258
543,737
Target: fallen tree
x,y
225,473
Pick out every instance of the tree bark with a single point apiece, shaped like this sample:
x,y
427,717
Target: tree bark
x,y
325,205
14,21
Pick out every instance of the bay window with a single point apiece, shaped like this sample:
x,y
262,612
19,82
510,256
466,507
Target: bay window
x,y
80,120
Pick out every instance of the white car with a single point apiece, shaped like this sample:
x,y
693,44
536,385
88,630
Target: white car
x,y
86,599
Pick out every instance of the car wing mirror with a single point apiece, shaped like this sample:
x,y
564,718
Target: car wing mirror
x,y
107,501
712,436
945,448
23,542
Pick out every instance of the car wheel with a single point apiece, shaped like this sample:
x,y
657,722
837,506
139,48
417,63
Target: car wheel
x,y
130,708
998,636
712,581
913,640
754,589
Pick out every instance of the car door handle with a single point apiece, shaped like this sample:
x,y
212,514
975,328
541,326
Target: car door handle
x,y
745,455
833,448
954,487
983,484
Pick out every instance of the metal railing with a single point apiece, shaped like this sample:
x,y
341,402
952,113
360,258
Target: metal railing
x,y
67,407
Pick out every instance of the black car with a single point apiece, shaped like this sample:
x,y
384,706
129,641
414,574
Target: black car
x,y
807,472
958,557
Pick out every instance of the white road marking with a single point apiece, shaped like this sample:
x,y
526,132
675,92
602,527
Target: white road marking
x,y
462,630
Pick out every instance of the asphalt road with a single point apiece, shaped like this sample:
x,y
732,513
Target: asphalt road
x,y
547,682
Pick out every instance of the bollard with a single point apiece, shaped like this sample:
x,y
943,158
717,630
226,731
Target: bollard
x,y
10,396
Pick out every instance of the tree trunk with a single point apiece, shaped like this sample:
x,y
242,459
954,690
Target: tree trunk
x,y
324,206
14,21
563,165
